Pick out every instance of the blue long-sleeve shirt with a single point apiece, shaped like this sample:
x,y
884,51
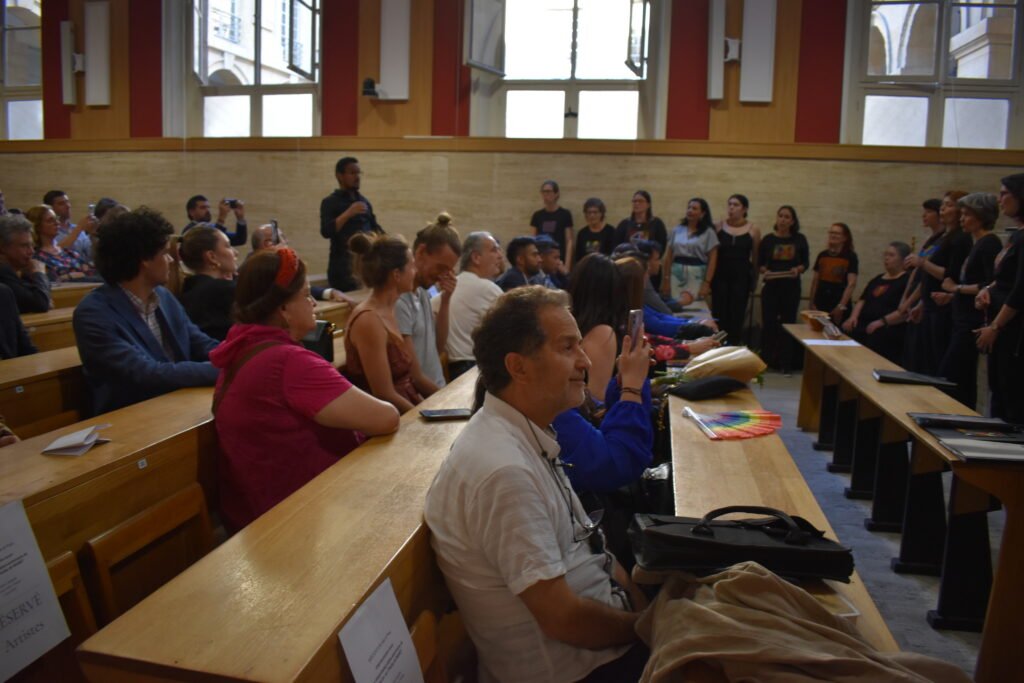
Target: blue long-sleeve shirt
x,y
608,458
670,326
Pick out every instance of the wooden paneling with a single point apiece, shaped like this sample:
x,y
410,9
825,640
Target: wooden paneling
x,y
114,121
735,121
380,118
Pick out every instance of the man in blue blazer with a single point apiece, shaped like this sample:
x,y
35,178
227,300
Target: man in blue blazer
x,y
135,339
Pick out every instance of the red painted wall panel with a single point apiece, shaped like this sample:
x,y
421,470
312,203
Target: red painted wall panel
x,y
451,83
56,116
145,68
819,99
689,111
339,67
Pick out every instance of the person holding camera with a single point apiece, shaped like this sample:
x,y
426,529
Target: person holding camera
x,y
198,209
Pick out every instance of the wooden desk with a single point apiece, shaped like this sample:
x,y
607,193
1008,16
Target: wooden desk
x,y
712,474
42,392
157,447
970,597
67,295
267,604
336,312
50,330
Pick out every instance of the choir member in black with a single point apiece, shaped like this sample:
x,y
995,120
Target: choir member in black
x,y
595,235
1002,300
782,258
554,221
642,224
876,321
915,346
933,312
735,277
979,211
835,274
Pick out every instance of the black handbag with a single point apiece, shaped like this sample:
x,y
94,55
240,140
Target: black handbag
x,y
321,340
787,545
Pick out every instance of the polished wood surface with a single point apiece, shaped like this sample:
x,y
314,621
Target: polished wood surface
x,y
50,330
269,602
712,474
67,295
42,392
336,312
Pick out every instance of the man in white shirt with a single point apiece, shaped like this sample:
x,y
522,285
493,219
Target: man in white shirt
x,y
475,292
540,596
436,251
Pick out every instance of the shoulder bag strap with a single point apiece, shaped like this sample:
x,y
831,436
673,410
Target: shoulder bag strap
x,y
231,372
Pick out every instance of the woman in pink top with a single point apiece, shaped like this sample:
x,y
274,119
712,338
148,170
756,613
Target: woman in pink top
x,y
283,413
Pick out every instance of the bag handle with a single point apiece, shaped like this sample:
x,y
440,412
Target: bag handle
x,y
229,374
794,535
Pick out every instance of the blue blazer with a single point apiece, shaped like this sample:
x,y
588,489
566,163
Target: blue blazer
x,y
123,362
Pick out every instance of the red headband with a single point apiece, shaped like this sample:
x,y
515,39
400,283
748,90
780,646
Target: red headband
x,y
286,268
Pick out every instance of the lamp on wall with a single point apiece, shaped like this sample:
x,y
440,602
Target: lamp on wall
x,y
369,87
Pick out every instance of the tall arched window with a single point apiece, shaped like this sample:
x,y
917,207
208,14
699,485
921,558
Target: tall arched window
x,y
21,103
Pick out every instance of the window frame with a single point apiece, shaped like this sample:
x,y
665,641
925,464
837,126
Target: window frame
x,y
16,93
257,90
937,87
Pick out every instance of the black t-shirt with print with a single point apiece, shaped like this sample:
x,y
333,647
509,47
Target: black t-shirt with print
x,y
553,224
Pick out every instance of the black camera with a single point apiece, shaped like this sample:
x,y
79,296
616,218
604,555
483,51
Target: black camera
x,y
233,203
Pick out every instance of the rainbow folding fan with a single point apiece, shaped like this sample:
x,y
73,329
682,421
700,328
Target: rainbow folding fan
x,y
736,424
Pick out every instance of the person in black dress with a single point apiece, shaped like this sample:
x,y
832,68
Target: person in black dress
x,y
979,211
595,235
934,312
915,346
738,241
1002,300
642,224
209,293
554,221
835,274
876,321
782,258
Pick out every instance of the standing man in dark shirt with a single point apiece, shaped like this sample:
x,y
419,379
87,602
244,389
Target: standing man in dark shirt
x,y
343,213
554,220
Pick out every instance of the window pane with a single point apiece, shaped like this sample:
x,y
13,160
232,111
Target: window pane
x,y
608,115
902,39
274,49
900,121
288,116
535,114
25,120
538,39
226,116
981,45
602,36
230,43
23,61
975,123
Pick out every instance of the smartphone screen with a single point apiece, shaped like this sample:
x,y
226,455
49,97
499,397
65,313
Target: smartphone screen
x,y
635,326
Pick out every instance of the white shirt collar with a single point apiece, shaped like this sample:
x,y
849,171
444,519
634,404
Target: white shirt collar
x,y
532,435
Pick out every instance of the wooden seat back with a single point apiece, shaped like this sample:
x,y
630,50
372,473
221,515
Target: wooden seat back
x,y
425,639
139,555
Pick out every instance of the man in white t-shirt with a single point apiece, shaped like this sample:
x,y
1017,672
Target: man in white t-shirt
x,y
475,292
540,596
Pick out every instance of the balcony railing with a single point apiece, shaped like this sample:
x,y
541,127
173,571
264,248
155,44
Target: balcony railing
x,y
226,26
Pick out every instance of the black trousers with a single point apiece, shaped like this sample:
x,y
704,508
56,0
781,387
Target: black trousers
x,y
730,292
626,669
960,363
1006,372
780,300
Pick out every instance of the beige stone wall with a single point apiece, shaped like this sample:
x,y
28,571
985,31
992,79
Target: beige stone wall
x,y
498,191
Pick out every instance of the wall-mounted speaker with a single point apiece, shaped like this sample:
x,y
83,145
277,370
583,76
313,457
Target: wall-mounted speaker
x,y
97,53
395,21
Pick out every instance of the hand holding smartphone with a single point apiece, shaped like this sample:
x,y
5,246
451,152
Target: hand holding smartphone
x,y
635,325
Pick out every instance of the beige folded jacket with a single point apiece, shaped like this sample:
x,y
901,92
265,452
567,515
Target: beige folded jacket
x,y
747,624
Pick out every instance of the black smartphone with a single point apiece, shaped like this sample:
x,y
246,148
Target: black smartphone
x,y
233,203
439,414
635,325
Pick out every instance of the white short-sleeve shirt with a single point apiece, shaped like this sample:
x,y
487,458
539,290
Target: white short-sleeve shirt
x,y
499,516
472,297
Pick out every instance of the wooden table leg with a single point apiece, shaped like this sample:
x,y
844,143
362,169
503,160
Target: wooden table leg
x,y
865,451
828,392
892,470
1001,657
967,562
807,415
846,427
924,516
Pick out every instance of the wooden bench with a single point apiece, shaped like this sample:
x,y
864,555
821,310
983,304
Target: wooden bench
x,y
42,392
267,604
50,330
711,474
67,295
871,431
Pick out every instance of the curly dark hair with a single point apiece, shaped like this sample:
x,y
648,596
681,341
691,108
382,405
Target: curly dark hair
x,y
128,240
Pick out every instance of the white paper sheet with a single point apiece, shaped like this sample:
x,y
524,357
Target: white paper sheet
x,y
830,342
377,643
31,621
